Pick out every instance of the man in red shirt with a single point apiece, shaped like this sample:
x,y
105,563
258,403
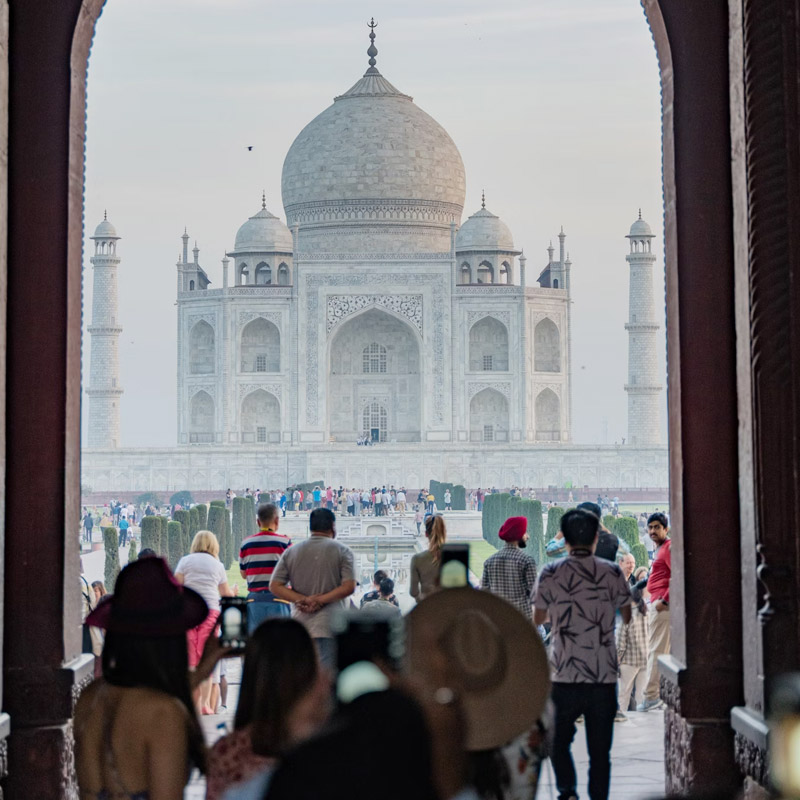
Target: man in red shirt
x,y
658,611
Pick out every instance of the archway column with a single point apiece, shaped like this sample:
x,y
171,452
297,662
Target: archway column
x,y
701,680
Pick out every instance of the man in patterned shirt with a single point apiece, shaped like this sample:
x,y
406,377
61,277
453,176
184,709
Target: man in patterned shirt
x,y
511,572
581,594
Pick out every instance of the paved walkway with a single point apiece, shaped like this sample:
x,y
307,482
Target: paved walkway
x,y
637,756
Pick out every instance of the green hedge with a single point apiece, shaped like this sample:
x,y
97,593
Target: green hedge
x,y
230,552
194,523
217,503
251,526
184,518
554,515
202,517
111,544
627,529
493,516
532,511
216,524
497,508
164,551
183,498
174,543
458,495
132,551
639,552
241,509
151,534
609,520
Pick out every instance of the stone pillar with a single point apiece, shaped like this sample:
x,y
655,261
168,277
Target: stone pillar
x,y
43,669
701,679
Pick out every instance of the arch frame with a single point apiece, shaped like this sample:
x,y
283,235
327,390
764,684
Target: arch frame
x,y
269,319
247,391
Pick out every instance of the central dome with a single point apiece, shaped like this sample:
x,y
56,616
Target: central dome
x,y
373,156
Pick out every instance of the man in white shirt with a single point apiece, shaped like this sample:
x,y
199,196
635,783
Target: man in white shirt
x,y
401,502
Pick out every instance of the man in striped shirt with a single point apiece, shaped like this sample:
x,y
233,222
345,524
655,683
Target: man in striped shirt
x,y
257,559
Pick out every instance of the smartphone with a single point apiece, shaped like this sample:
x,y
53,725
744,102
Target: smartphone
x,y
454,566
233,622
365,639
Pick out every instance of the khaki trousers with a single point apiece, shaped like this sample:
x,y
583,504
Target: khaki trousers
x,y
627,676
657,645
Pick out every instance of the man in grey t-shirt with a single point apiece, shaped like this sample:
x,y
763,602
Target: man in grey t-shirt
x,y
321,573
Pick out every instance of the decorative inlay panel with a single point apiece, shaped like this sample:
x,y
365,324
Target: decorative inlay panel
x,y
341,306
363,210
272,388
315,256
271,316
209,316
209,388
502,316
473,387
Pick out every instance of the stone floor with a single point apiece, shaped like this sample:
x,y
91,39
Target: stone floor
x,y
637,756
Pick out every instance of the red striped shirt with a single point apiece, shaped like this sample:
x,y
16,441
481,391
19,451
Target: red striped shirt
x,y
258,556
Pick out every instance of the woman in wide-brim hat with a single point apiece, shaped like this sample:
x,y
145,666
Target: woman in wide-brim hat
x,y
136,728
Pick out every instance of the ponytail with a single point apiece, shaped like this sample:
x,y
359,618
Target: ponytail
x,y
436,533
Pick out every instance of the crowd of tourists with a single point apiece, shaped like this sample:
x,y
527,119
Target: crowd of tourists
x,y
464,697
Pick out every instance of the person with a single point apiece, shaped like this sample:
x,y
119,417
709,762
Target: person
x,y
147,552
123,531
418,517
607,542
511,572
385,605
627,563
284,698
369,597
424,577
658,640
258,556
321,572
137,734
88,525
203,572
580,595
401,502
317,496
448,500
430,500
99,591
92,636
631,650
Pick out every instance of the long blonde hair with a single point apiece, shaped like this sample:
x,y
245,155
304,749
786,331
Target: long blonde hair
x,y
436,533
205,542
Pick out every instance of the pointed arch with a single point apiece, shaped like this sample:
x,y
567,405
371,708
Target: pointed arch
x,y
201,418
465,274
488,417
547,413
488,346
263,274
201,349
260,418
260,348
284,274
242,274
485,272
546,347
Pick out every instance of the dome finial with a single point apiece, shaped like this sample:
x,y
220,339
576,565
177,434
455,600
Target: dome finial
x,y
105,215
372,51
640,213
263,198
483,198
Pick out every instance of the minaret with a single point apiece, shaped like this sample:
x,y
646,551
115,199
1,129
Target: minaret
x,y
104,390
643,386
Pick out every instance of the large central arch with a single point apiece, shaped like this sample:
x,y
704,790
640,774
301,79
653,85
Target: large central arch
x,y
375,358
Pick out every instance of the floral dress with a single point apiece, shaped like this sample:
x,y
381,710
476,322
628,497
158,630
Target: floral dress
x,y
231,761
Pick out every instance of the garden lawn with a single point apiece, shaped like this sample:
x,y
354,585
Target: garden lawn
x,y
479,551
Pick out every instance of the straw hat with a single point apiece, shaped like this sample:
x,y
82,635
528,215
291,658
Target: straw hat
x,y
486,651
148,601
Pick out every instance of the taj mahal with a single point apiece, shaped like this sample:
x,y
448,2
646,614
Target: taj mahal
x,y
375,313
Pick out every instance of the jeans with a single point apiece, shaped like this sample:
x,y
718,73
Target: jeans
x,y
262,605
598,704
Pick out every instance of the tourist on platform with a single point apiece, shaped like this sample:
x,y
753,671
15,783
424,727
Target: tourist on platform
x,y
258,557
448,500
431,500
203,572
284,699
123,531
136,731
88,526
317,496
658,610
511,573
580,595
401,502
418,517
321,573
375,594
424,578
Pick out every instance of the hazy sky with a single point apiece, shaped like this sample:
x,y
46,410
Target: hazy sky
x,y
554,105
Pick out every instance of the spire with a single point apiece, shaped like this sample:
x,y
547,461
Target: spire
x,y
185,238
105,215
483,199
372,51
263,198
640,213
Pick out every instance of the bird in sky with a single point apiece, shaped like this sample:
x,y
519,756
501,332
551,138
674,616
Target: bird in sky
x,y
250,146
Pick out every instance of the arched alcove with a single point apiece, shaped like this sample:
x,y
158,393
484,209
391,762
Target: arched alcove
x,y
260,347
201,349
488,417
284,275
201,418
465,274
488,346
485,272
548,416
242,275
263,274
546,347
260,418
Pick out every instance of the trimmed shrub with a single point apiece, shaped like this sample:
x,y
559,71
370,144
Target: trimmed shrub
x,y
229,543
111,543
532,511
202,517
151,533
609,520
194,523
183,517
241,509
132,551
458,495
216,524
488,517
251,527
639,552
164,551
182,498
627,530
459,498
174,543
218,503
554,515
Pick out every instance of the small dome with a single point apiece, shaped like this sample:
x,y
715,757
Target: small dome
x,y
264,232
484,231
640,228
105,230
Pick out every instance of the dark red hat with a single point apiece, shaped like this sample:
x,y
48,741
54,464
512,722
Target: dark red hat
x,y
148,601
513,529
